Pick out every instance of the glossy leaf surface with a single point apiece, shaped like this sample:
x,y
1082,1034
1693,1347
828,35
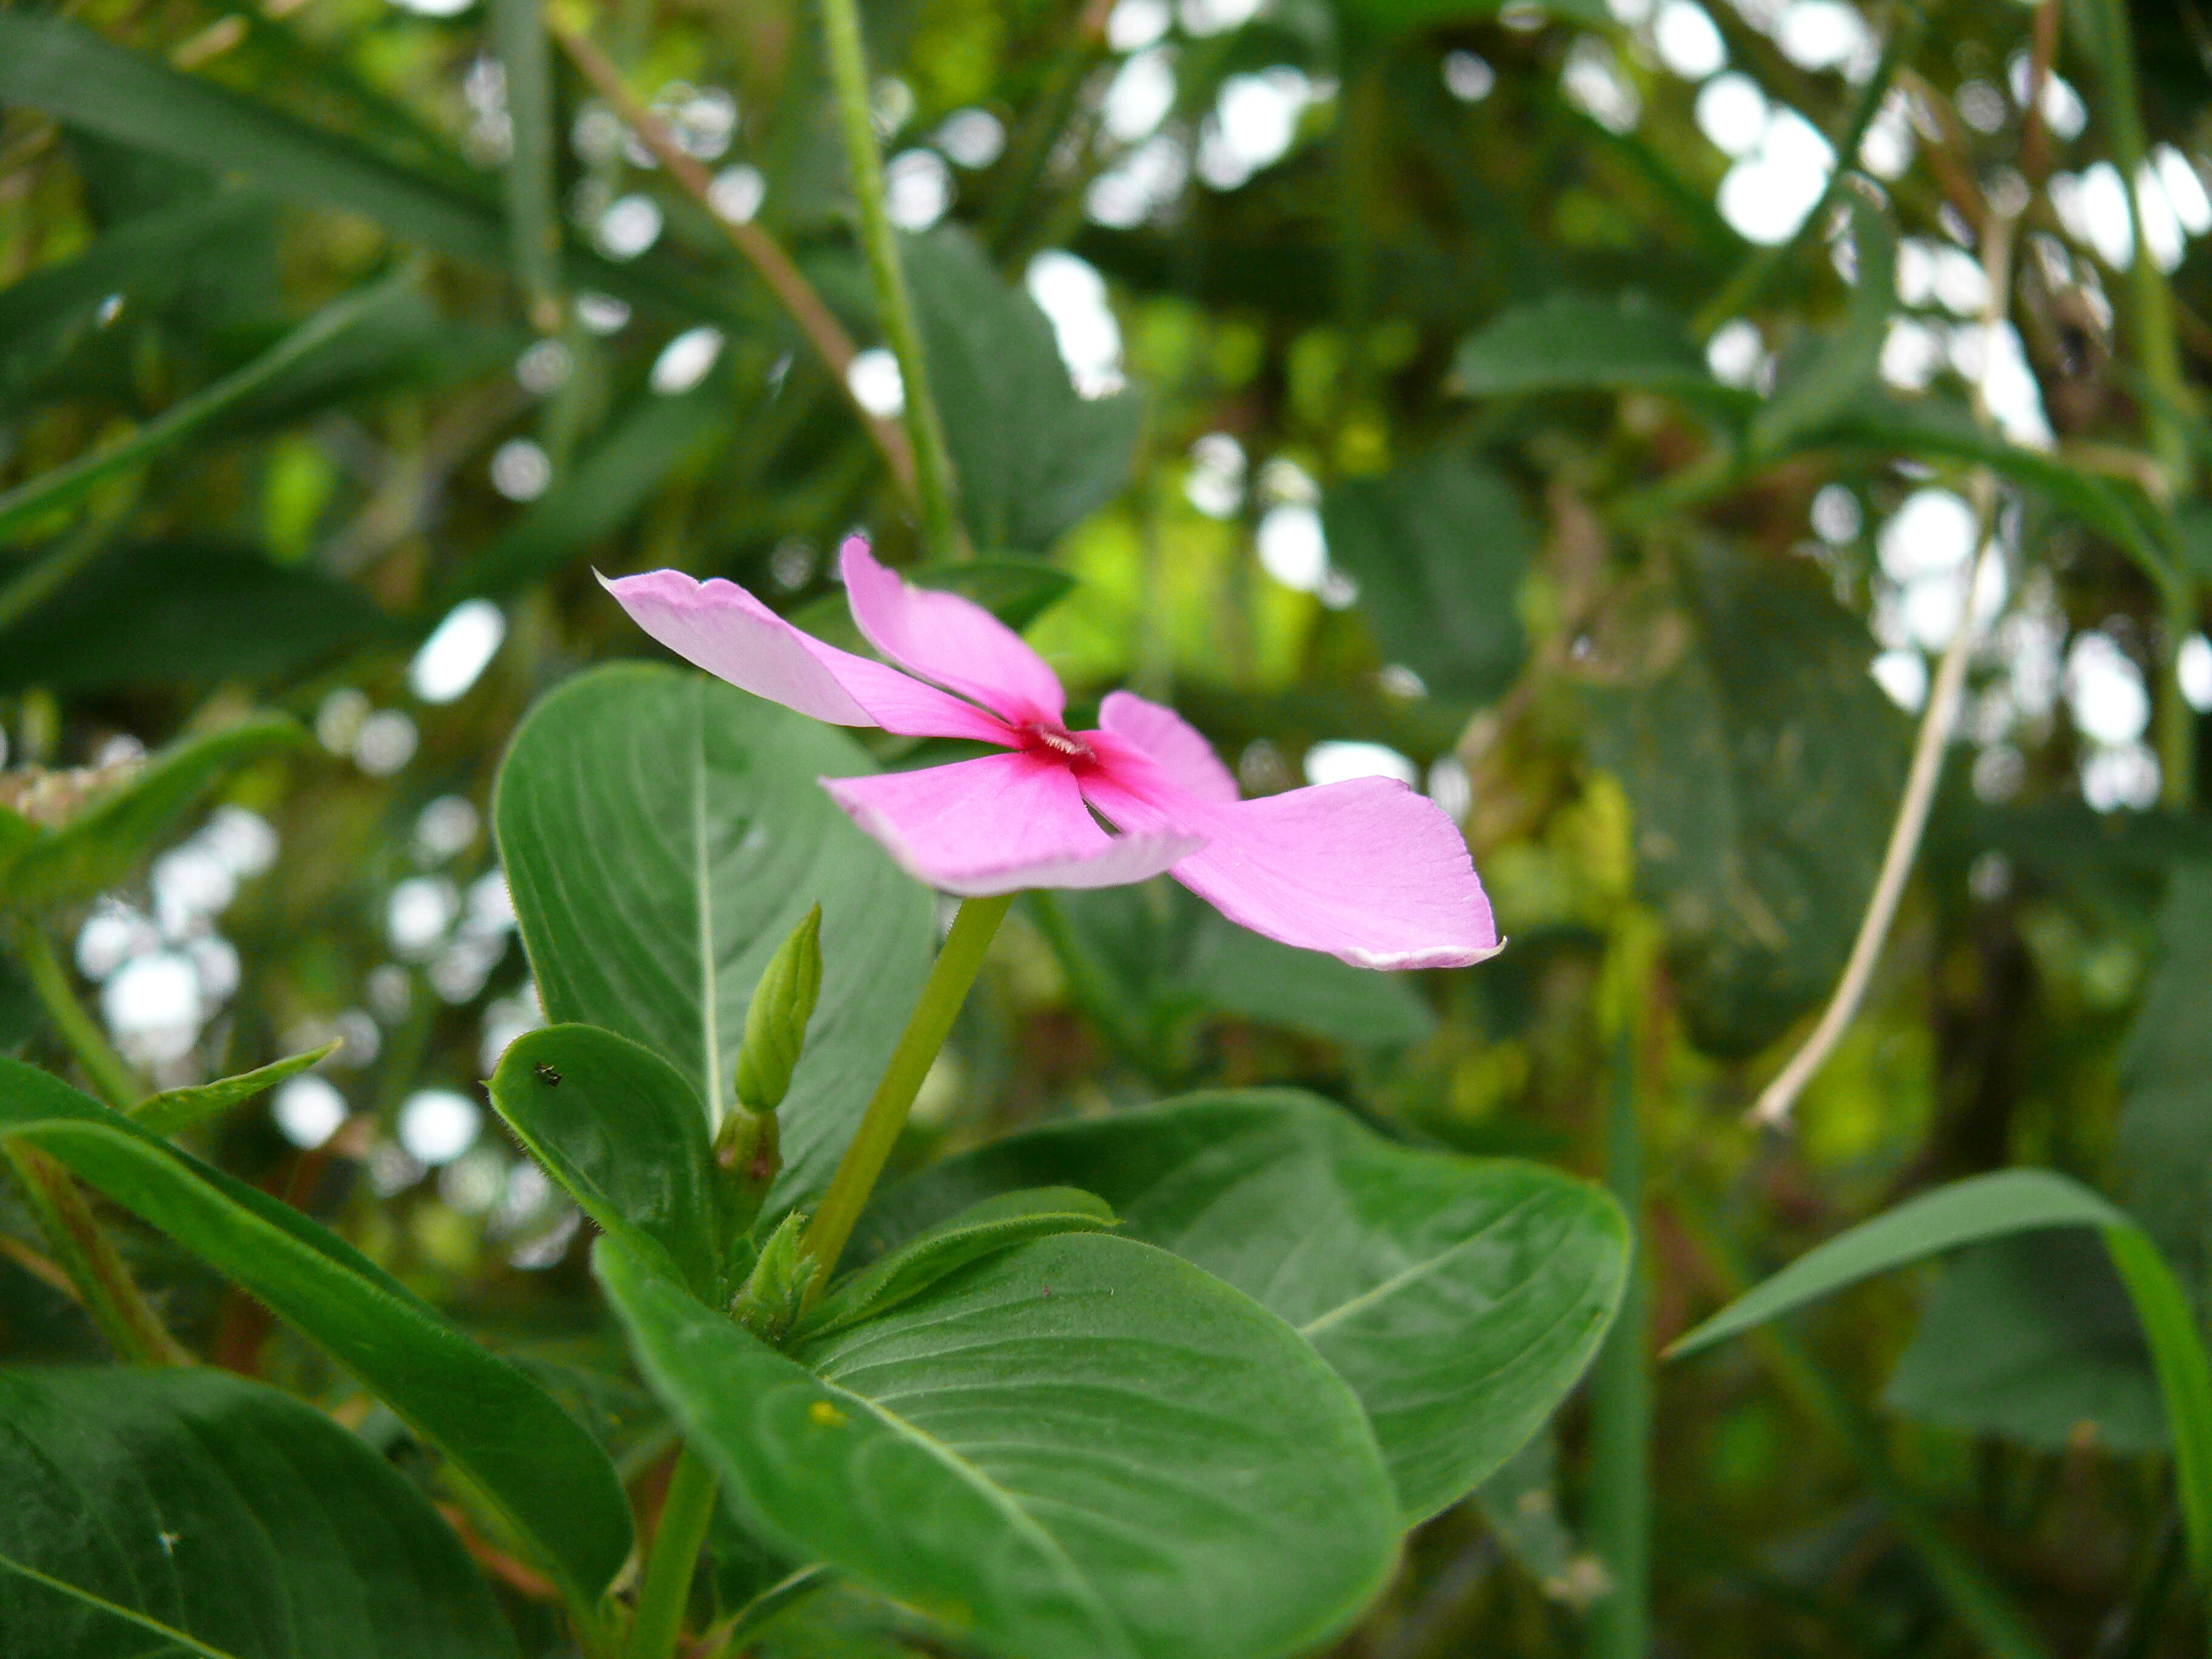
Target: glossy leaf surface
x,y
663,833
530,1457
1461,1298
193,1512
620,1128
1080,1448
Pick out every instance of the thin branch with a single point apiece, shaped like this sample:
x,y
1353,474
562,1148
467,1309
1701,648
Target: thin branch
x,y
1937,723
786,281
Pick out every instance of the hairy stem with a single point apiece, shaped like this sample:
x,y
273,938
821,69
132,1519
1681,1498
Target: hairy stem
x,y
685,1514
848,75
89,1257
942,994
766,256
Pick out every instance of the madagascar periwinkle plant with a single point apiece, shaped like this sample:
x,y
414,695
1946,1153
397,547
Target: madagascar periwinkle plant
x,y
982,1109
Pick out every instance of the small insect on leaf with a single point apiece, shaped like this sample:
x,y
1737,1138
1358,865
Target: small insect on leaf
x,y
547,1075
825,1415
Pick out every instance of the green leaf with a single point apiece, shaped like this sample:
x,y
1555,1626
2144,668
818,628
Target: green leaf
x,y
1032,457
1839,367
2031,1337
1520,1505
996,1224
1964,1213
1763,764
1079,1449
194,1512
46,313
105,841
1576,342
602,492
1461,1298
663,833
176,1109
543,1472
1439,548
620,1128
197,614
2165,1138
66,484
63,69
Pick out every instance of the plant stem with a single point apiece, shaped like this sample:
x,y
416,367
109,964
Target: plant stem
x,y
1929,744
766,256
533,223
1620,1386
112,1080
942,994
684,1516
89,1257
848,75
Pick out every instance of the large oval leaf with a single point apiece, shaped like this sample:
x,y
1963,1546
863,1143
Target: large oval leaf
x,y
194,1512
1080,1449
1460,1298
663,832
532,1460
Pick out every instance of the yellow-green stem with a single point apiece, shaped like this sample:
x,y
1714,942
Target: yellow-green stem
x,y
848,77
685,1514
942,994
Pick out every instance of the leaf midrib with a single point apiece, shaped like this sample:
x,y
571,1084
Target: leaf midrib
x,y
116,1609
703,883
1418,1271
1007,1503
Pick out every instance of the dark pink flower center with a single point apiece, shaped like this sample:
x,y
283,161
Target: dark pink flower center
x,y
1055,740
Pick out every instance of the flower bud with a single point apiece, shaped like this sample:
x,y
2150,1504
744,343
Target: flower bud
x,y
776,1020
771,1300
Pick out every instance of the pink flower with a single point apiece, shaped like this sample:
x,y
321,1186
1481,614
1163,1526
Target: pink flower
x,y
1366,870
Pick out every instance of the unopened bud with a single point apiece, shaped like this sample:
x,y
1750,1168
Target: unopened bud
x,y
776,1021
770,1304
748,1156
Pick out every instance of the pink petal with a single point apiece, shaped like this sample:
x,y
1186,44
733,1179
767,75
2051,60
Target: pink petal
x,y
1171,741
726,631
999,824
951,641
1366,870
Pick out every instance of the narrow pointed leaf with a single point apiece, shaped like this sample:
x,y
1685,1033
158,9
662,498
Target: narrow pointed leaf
x,y
532,1460
176,1109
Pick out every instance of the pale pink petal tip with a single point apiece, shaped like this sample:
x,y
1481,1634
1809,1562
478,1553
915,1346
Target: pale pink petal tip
x,y
998,825
716,625
1365,870
953,642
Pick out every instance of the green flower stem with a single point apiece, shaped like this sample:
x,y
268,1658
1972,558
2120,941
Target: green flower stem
x,y
684,1516
1621,1401
942,994
111,1079
848,74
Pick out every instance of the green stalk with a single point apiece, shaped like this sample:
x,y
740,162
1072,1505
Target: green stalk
x,y
111,1079
942,994
1620,1416
685,1514
848,75
533,222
